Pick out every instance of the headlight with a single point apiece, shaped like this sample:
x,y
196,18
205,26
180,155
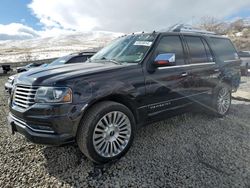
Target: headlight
x,y
53,95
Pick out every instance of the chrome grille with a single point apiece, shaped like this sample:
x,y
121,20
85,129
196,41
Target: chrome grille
x,y
24,96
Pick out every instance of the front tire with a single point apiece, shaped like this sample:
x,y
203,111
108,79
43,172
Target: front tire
x,y
106,132
222,100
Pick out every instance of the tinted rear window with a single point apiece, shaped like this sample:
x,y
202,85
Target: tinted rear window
x,y
196,49
224,49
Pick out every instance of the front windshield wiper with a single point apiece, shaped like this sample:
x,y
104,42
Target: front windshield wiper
x,y
114,61
111,60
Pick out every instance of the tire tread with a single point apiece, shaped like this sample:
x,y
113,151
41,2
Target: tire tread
x,y
84,132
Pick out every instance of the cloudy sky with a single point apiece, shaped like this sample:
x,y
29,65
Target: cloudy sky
x,y
24,19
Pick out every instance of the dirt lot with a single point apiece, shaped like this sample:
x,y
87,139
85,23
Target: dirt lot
x,y
191,150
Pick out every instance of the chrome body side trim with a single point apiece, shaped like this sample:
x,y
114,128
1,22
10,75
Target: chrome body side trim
x,y
188,65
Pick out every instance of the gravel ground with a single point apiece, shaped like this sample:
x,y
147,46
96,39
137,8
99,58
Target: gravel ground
x,y
191,150
245,84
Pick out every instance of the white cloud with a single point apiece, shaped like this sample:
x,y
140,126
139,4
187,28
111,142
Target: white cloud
x,y
128,15
64,17
17,31
62,14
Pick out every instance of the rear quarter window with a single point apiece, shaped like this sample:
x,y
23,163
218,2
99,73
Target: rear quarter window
x,y
197,50
224,49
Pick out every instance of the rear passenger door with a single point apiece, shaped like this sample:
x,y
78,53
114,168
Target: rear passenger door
x,y
203,73
227,59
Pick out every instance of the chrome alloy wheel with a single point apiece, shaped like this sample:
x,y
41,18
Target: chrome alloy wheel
x,y
223,101
112,134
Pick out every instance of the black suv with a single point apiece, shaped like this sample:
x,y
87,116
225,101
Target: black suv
x,y
136,80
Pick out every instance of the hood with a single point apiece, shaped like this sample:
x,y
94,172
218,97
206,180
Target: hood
x,y
52,75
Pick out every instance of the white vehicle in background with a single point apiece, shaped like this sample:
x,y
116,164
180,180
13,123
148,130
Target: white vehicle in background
x,y
245,57
69,59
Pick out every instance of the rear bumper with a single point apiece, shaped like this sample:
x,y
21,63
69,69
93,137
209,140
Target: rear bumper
x,y
47,137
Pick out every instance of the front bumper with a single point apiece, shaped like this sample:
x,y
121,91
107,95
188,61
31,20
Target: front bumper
x,y
47,137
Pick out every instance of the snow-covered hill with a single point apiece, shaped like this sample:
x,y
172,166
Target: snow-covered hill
x,y
50,47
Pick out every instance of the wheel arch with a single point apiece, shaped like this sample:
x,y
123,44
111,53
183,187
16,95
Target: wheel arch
x,y
119,98
232,79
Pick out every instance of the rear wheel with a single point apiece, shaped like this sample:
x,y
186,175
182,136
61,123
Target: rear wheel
x,y
222,100
106,132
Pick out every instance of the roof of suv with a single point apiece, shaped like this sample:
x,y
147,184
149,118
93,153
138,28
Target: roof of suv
x,y
187,30
196,34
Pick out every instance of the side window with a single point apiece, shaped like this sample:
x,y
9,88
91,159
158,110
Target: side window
x,y
224,49
78,59
171,44
197,49
210,57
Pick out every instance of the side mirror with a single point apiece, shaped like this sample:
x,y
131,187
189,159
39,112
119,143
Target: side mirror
x,y
163,60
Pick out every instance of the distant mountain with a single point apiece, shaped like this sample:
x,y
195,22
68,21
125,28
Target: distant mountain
x,y
50,47
37,47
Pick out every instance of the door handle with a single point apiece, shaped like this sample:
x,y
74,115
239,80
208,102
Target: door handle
x,y
184,74
216,70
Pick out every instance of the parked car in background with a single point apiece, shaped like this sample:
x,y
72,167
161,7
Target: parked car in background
x,y
1,70
136,80
69,59
28,67
72,58
245,57
5,69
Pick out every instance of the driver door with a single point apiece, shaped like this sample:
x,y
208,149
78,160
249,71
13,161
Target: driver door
x,y
166,87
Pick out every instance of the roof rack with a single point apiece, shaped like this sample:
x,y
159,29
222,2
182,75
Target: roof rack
x,y
188,29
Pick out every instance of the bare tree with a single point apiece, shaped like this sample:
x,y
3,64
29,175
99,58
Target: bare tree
x,y
237,25
212,24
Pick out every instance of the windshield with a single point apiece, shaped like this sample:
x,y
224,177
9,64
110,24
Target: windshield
x,y
129,49
60,61
32,65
